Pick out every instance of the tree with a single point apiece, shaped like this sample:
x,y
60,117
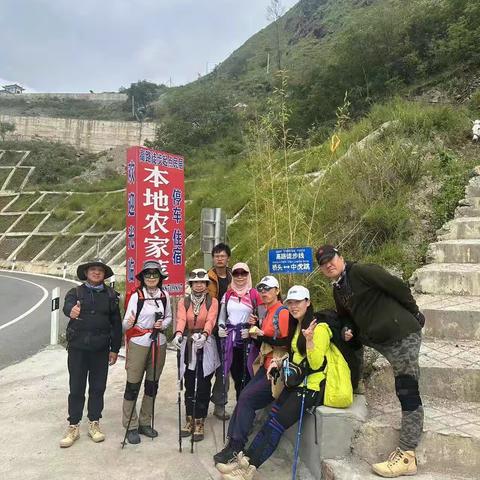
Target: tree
x,y
274,12
6,127
140,95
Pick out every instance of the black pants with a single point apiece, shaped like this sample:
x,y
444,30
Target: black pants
x,y
204,385
83,364
239,369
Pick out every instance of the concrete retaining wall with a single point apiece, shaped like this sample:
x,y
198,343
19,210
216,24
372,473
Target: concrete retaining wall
x,y
93,135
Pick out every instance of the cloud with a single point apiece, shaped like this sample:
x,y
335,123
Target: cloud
x,y
60,45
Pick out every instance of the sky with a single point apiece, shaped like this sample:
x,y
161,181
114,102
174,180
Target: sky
x,y
101,45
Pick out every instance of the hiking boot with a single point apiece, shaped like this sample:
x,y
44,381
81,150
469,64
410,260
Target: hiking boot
x,y
400,462
238,461
199,432
148,431
226,455
186,431
220,412
94,432
133,437
241,474
72,434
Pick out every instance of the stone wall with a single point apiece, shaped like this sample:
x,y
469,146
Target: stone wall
x,y
92,135
91,97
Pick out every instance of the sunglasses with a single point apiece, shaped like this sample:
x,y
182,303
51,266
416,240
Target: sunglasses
x,y
240,273
198,275
264,288
151,274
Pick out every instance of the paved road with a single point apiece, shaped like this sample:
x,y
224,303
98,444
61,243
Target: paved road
x,y
25,314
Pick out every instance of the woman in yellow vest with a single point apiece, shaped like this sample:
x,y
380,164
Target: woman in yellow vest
x,y
312,350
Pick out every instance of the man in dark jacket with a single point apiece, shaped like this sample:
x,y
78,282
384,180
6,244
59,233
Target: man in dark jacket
x,y
384,316
94,335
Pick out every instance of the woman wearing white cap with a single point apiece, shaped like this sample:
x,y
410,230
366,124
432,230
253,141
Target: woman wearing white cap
x,y
196,317
275,336
305,387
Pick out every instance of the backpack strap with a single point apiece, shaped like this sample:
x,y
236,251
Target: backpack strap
x,y
276,325
140,303
79,292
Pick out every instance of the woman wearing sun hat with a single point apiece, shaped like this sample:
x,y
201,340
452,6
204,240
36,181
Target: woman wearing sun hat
x,y
238,310
148,310
196,318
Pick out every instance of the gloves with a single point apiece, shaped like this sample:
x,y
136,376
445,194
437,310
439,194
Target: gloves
x,y
222,331
199,340
244,333
177,342
420,318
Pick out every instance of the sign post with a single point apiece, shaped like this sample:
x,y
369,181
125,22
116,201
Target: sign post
x,y
290,260
156,215
213,230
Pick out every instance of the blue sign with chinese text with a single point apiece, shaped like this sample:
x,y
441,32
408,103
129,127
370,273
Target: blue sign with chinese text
x,y
290,260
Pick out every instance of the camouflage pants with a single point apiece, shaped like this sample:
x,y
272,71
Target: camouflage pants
x,y
403,357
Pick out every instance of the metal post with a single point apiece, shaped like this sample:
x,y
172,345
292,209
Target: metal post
x,y
55,316
64,270
112,281
13,263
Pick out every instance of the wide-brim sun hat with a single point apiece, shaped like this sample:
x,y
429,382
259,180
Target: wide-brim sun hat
x,y
298,292
198,275
152,265
82,269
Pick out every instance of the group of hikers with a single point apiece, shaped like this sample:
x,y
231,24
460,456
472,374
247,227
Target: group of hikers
x,y
279,353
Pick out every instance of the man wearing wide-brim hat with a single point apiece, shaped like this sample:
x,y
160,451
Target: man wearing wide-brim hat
x,y
94,335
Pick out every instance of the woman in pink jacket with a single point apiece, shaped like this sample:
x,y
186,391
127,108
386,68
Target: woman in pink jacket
x,y
196,318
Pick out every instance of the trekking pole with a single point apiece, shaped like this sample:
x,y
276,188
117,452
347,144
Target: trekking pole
x,y
194,396
299,431
245,358
179,399
153,338
224,392
135,400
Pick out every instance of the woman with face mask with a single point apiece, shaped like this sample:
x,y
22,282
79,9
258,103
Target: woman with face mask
x,y
309,348
196,318
239,309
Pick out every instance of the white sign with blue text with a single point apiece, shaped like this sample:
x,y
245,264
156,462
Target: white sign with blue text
x,y
290,260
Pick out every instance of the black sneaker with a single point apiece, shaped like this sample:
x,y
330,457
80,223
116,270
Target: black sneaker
x,y
133,437
148,431
225,455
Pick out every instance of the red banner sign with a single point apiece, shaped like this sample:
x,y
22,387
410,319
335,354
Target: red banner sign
x,y
156,215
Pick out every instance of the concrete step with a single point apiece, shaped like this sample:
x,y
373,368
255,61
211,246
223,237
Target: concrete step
x,y
354,468
467,211
454,251
470,201
450,442
461,227
448,370
336,428
448,279
450,317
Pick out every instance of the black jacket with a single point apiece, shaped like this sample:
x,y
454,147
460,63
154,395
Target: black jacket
x,y
381,305
99,326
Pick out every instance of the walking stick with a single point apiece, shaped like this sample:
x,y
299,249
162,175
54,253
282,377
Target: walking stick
x,y
299,431
153,338
194,396
135,400
245,358
222,342
179,400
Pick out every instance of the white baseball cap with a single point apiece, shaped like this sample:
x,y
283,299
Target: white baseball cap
x,y
297,292
269,281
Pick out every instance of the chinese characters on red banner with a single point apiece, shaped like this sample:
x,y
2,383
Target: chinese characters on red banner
x,y
156,215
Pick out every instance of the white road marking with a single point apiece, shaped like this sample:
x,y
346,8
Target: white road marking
x,y
28,312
